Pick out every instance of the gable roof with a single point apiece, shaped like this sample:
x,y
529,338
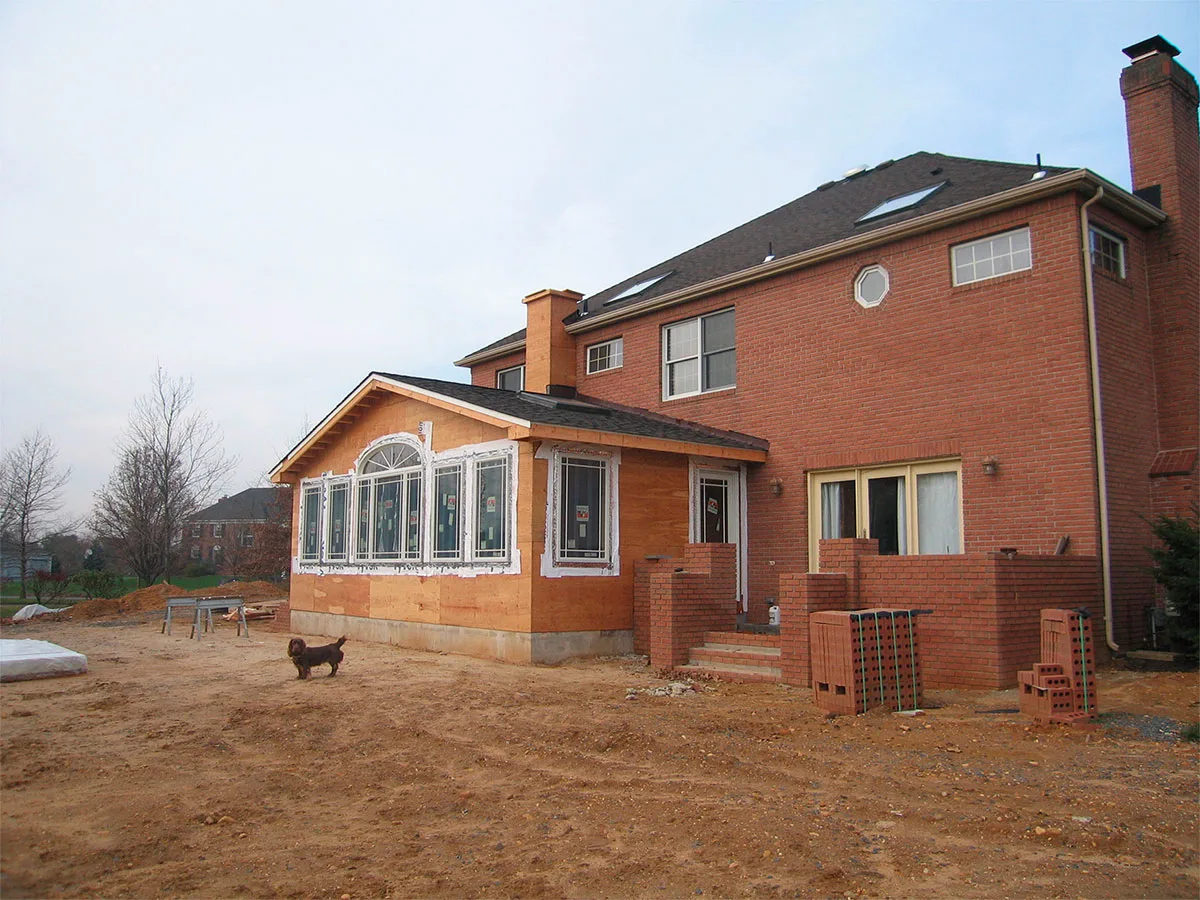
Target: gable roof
x,y
526,415
828,216
251,505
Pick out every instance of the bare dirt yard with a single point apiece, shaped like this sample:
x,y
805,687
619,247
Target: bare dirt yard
x,y
206,769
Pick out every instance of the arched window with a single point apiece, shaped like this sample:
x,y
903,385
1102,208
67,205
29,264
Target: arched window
x,y
389,503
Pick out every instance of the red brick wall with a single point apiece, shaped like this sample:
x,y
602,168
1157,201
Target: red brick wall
x,y
684,604
484,374
984,624
996,368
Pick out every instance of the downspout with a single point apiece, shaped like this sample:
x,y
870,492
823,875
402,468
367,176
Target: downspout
x,y
1097,419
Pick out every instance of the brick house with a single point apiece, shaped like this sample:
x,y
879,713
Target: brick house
x,y
231,529
938,382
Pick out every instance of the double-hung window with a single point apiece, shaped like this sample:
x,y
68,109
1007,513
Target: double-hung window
x,y
218,530
582,532
909,508
992,257
699,355
337,515
1108,252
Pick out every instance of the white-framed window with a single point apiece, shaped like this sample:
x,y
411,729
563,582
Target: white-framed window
x,y
310,521
194,553
337,520
246,538
871,286
494,493
993,256
447,514
196,529
511,379
1108,252
909,508
699,355
404,509
605,356
582,491
218,530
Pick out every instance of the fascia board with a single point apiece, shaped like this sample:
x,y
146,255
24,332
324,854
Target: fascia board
x,y
494,353
375,379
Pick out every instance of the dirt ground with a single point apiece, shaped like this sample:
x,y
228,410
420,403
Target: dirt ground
x,y
183,768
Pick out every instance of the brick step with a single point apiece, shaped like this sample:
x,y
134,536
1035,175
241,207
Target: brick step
x,y
741,639
733,672
743,656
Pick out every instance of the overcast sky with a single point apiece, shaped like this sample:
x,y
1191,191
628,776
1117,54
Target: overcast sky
x,y
273,199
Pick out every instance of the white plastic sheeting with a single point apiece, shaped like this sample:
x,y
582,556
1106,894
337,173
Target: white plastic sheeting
x,y
34,609
25,659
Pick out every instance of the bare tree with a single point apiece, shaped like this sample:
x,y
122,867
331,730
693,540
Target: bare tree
x,y
30,493
169,464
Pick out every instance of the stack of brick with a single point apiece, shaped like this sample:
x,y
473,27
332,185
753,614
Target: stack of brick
x,y
1061,688
865,658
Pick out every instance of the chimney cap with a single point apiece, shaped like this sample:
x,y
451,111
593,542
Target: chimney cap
x,y
1156,44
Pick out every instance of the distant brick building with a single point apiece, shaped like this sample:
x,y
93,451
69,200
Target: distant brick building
x,y
228,532
932,378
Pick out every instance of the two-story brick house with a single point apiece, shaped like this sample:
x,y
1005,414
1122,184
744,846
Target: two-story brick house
x,y
945,379
228,532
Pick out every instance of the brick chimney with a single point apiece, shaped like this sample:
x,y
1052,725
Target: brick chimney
x,y
1164,153
549,350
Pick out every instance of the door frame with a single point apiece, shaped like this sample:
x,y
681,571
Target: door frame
x,y
735,476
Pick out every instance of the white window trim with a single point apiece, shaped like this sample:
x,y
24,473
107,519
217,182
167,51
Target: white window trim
x,y
1121,245
467,566
551,566
698,320
617,342
983,240
500,372
860,475
306,485
327,513
862,276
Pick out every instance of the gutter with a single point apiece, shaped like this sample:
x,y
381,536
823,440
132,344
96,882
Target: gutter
x,y
1097,417
1133,208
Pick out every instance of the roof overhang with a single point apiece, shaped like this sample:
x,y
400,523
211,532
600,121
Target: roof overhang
x,y
1082,181
374,386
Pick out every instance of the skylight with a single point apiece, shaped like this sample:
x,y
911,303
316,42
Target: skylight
x,y
637,288
905,201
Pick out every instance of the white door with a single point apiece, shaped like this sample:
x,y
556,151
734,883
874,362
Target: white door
x,y
717,515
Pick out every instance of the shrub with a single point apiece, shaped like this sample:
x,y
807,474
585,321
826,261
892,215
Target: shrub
x,y
198,570
47,587
95,583
1177,569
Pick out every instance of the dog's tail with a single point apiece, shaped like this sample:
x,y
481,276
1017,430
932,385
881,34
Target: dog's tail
x,y
340,641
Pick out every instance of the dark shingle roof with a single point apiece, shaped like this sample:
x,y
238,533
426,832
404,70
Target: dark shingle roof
x,y
581,412
252,504
824,216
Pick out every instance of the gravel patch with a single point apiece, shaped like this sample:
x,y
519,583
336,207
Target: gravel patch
x,y
1150,728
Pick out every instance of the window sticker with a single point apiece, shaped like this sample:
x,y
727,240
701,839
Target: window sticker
x,y
713,506
490,504
583,513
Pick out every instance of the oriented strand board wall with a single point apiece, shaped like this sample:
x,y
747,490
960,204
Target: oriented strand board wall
x,y
653,492
487,601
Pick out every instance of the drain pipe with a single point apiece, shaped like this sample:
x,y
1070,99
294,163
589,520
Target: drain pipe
x,y
1097,419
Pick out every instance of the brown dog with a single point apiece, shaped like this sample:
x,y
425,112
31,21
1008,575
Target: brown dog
x,y
305,657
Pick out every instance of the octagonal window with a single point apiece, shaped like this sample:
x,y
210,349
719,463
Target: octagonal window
x,y
871,286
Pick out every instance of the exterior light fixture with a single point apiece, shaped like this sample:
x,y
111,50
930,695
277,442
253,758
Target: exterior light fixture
x,y
777,486
990,465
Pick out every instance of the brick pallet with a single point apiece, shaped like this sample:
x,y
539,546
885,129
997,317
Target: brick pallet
x,y
1061,689
865,658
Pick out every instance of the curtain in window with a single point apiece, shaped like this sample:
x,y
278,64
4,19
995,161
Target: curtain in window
x,y
937,513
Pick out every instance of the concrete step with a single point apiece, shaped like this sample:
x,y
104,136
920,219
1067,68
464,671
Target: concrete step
x,y
733,672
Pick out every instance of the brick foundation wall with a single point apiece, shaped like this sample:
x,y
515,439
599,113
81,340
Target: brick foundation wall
x,y
685,599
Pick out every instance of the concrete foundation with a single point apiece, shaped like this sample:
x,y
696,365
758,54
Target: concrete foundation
x,y
486,643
